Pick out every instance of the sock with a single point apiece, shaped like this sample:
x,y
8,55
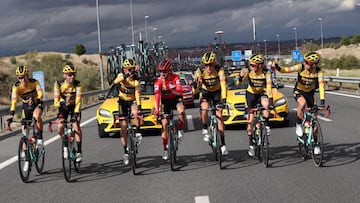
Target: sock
x,y
250,140
125,149
40,135
165,141
79,147
180,125
222,140
205,126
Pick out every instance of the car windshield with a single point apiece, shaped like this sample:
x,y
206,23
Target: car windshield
x,y
146,89
183,82
114,91
231,83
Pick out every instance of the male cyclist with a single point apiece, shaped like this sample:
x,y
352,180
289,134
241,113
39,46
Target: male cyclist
x,y
31,95
259,91
129,98
310,77
168,93
213,89
68,98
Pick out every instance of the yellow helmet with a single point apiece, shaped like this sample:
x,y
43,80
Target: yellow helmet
x,y
209,57
257,58
21,70
69,69
129,63
312,57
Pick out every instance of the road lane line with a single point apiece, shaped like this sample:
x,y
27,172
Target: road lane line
x,y
334,93
53,139
190,122
202,199
319,117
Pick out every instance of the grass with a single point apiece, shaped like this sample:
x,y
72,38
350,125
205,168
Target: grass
x,y
344,73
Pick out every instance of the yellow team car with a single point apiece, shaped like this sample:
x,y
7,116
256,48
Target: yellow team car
x,y
105,112
236,103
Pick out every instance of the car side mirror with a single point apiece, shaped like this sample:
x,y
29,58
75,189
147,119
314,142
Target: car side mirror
x,y
101,97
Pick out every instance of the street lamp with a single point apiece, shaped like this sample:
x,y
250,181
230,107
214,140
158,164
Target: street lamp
x,y
154,29
146,17
321,33
132,23
265,49
159,38
99,40
278,39
296,47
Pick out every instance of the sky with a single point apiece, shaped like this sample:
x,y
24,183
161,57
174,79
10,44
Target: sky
x,y
58,25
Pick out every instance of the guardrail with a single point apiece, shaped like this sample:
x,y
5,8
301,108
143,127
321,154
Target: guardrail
x,y
339,80
88,99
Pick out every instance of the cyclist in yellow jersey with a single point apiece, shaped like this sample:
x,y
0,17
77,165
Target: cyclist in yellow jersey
x,y
310,77
259,90
68,98
213,89
129,98
29,91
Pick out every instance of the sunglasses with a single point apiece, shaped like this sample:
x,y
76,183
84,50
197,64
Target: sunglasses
x,y
209,64
71,74
253,65
21,78
163,71
309,63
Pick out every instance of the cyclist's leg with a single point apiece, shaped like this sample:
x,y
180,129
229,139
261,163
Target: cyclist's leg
x,y
204,105
138,121
300,98
37,114
266,113
166,106
180,108
251,101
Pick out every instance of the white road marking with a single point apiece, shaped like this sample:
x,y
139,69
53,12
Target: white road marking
x,y
53,139
190,122
334,93
319,117
202,199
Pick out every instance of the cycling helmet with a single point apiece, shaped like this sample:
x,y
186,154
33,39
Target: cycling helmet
x,y
257,58
164,65
209,57
312,57
69,69
21,70
129,63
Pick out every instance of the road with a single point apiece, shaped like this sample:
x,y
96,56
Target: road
x,y
198,178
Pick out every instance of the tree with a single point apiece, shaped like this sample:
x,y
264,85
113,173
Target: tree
x,y
345,40
355,39
79,49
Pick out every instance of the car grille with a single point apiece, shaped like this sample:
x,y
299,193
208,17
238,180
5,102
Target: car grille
x,y
146,112
148,123
239,118
240,106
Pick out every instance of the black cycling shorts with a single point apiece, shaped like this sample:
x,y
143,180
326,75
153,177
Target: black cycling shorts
x,y
168,104
125,107
253,99
29,110
208,96
66,111
309,97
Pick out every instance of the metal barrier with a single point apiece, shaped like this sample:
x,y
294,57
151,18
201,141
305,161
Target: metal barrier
x,y
88,99
340,80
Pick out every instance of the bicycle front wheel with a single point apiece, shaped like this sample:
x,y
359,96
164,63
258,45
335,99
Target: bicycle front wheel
x,y
317,158
66,160
218,148
303,147
132,151
40,159
24,159
74,152
265,147
172,148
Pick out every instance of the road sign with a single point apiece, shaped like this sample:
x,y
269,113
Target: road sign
x,y
248,54
236,55
296,55
39,75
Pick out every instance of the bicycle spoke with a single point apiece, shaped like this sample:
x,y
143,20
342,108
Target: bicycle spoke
x,y
317,158
23,157
66,161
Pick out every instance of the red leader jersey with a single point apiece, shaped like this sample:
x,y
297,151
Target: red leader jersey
x,y
168,88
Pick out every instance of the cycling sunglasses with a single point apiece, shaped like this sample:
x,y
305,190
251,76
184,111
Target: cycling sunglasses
x,y
71,74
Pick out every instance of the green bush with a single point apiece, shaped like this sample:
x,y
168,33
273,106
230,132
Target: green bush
x,y
85,61
13,60
67,56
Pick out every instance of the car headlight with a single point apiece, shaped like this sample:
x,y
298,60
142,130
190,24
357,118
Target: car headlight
x,y
280,101
105,113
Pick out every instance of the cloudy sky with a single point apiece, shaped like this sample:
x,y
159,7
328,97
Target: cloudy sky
x,y
57,25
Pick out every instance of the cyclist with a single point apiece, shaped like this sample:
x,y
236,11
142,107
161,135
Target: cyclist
x,y
168,93
259,90
31,95
68,98
213,81
129,98
310,77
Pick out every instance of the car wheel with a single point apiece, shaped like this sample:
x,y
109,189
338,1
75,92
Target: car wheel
x,y
102,132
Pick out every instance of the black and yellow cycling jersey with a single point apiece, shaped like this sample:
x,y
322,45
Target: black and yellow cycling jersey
x,y
32,89
129,89
212,82
69,94
259,82
308,80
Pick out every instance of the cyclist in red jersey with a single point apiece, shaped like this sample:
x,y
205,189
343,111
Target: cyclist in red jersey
x,y
168,94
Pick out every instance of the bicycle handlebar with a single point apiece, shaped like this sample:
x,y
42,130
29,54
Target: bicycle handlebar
x,y
315,109
62,122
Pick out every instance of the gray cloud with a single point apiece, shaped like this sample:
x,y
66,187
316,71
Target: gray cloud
x,y
59,25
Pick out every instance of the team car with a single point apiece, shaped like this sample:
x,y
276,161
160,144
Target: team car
x,y
236,103
110,106
187,94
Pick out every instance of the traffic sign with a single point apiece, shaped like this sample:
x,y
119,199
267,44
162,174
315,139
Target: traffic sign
x,y
236,55
296,55
39,75
248,54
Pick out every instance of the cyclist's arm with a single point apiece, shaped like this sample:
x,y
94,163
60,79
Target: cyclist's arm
x,y
295,68
240,78
137,93
197,77
157,92
178,87
120,77
321,85
56,94
78,98
40,93
269,84
14,97
222,78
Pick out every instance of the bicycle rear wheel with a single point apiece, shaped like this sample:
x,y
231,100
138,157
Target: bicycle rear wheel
x,y
172,148
132,151
303,148
66,161
317,158
24,156
74,152
256,137
40,159
265,147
